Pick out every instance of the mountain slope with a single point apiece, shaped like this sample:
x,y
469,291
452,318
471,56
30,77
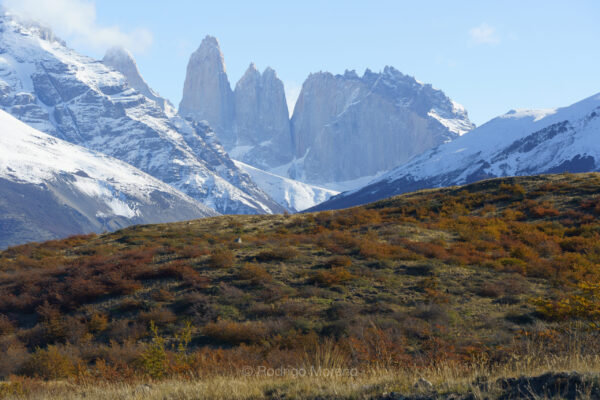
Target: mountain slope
x,y
294,195
453,281
521,142
50,189
82,101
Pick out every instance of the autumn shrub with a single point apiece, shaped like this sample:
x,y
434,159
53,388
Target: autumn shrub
x,y
577,244
255,274
332,277
49,364
277,254
198,307
428,249
338,261
338,241
514,190
540,209
193,252
235,333
343,310
355,217
221,259
372,249
380,348
154,358
158,316
54,327
490,289
162,295
6,326
14,356
130,304
98,322
124,329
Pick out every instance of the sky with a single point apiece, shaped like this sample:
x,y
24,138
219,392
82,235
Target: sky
x,y
490,56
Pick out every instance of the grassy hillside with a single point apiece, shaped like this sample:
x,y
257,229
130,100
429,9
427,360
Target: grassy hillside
x,y
497,275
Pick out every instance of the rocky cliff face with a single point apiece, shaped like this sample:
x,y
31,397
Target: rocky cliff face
x,y
52,88
207,95
262,119
251,122
346,127
121,60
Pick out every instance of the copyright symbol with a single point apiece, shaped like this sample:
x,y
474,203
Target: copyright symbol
x,y
248,371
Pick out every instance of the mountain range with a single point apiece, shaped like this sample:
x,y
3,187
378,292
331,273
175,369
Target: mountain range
x,y
344,127
238,151
89,103
520,142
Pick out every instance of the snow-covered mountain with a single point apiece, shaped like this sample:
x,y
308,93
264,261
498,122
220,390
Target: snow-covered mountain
x,y
345,128
294,195
50,189
521,142
83,101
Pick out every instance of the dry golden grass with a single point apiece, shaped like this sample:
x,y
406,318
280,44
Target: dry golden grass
x,y
445,378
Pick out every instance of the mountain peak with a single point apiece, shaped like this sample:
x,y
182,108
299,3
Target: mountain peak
x,y
27,26
119,53
269,72
210,41
209,51
207,94
251,73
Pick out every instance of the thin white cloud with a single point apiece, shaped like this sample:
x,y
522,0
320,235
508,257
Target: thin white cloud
x,y
75,20
292,91
484,34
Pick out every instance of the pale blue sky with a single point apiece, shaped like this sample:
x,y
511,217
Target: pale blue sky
x,y
490,56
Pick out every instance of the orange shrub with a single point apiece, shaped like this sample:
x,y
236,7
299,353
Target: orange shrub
x,y
428,249
333,277
255,273
236,333
339,261
6,326
540,210
50,364
221,259
277,254
160,316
